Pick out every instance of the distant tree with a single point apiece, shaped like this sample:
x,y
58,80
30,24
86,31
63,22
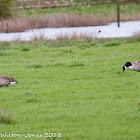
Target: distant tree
x,y
6,8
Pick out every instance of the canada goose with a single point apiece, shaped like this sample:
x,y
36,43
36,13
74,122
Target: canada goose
x,y
134,66
6,81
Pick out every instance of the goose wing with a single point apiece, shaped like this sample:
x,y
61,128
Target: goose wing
x,y
136,65
10,79
137,62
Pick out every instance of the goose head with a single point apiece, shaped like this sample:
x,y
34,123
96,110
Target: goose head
x,y
127,65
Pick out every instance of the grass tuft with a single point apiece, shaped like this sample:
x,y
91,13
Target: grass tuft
x,y
32,100
2,54
25,49
6,118
59,65
35,66
112,43
76,64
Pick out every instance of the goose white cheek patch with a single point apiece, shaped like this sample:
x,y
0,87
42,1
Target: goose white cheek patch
x,y
125,67
12,83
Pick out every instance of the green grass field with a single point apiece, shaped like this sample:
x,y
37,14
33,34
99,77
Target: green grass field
x,y
73,87
108,10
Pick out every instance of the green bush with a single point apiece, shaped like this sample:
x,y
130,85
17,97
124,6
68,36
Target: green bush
x,y
6,8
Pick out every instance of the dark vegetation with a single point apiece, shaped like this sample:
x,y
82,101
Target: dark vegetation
x,y
6,9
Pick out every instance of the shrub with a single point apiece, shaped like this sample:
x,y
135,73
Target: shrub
x,y
6,8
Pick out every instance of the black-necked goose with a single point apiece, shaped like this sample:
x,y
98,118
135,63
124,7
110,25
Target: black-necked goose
x,y
134,66
6,81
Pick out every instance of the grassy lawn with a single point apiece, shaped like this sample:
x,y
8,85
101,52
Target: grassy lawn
x,y
73,87
107,10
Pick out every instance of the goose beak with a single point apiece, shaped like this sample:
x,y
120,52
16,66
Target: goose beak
x,y
123,68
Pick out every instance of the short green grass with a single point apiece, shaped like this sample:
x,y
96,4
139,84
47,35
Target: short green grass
x,y
82,94
100,9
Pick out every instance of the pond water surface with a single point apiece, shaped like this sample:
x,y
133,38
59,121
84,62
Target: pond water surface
x,y
126,29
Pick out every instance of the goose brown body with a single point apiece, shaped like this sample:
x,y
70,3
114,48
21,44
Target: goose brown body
x,y
136,66
6,81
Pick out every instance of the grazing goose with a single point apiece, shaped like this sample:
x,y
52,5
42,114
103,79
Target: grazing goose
x,y
134,66
6,81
